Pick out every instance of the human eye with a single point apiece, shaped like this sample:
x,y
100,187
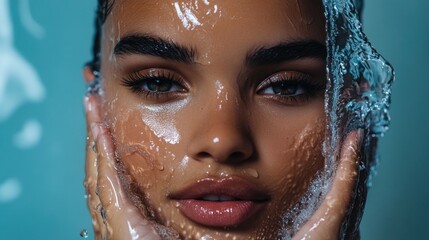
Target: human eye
x,y
290,88
156,84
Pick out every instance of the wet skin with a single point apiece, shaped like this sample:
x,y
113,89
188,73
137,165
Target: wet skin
x,y
221,111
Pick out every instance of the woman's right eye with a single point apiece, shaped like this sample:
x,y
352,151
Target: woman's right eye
x,y
158,84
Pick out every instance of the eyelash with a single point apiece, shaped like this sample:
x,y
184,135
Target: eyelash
x,y
311,87
136,83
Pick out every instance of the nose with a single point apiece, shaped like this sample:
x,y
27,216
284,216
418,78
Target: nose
x,y
221,134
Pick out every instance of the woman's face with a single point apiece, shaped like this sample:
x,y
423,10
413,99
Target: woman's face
x,y
216,109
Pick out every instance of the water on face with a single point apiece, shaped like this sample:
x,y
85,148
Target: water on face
x,y
357,96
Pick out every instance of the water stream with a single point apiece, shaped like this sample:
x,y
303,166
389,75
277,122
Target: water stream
x,y
357,96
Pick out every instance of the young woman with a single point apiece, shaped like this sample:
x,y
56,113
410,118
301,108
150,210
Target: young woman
x,y
206,121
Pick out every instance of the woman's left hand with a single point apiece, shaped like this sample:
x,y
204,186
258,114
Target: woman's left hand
x,y
326,222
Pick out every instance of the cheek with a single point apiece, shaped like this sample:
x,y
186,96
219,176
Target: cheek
x,y
307,158
293,168
146,156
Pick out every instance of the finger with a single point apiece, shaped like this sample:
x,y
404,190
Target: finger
x,y
124,220
344,183
327,220
91,175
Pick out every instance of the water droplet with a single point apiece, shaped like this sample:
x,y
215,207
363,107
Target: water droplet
x,y
252,172
84,233
159,165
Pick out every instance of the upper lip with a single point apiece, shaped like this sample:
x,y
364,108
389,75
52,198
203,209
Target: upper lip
x,y
236,188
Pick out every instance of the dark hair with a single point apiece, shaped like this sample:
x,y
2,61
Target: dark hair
x,y
104,7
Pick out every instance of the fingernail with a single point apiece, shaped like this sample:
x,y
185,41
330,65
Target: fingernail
x,y
95,130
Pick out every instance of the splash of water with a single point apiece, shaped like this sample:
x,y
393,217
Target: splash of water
x,y
360,79
84,233
357,96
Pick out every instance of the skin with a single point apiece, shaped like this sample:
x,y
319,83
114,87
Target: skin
x,y
220,124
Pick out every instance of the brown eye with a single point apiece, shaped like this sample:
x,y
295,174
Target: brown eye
x,y
290,88
284,89
285,84
160,85
154,82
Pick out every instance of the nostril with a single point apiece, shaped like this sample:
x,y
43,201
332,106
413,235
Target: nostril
x,y
203,155
237,156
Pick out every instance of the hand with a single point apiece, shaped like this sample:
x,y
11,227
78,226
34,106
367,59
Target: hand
x,y
113,216
326,222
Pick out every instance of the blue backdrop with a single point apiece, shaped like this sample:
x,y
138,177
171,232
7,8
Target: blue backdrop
x,y
42,138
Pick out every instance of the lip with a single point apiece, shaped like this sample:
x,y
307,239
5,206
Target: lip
x,y
238,201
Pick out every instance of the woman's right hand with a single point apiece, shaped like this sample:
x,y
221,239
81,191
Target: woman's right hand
x,y
113,216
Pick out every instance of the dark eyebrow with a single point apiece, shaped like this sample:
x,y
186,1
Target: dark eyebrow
x,y
286,52
154,46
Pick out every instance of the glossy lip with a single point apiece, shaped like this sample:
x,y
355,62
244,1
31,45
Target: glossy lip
x,y
245,201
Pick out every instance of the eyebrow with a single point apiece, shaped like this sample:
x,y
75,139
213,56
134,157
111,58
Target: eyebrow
x,y
286,52
155,46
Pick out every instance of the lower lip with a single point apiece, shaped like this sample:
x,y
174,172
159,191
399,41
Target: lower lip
x,y
219,214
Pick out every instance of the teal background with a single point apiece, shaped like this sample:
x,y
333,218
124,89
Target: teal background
x,y
52,205
398,203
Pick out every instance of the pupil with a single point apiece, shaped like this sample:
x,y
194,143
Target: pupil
x,y
285,89
159,85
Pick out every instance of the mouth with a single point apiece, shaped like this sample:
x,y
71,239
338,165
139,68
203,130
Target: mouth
x,y
223,202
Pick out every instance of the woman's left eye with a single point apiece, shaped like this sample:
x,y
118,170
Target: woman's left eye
x,y
284,89
290,87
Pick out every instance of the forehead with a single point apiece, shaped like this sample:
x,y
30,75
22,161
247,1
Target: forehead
x,y
291,18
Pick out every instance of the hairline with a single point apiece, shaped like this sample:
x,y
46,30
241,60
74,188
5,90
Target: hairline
x,y
105,7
